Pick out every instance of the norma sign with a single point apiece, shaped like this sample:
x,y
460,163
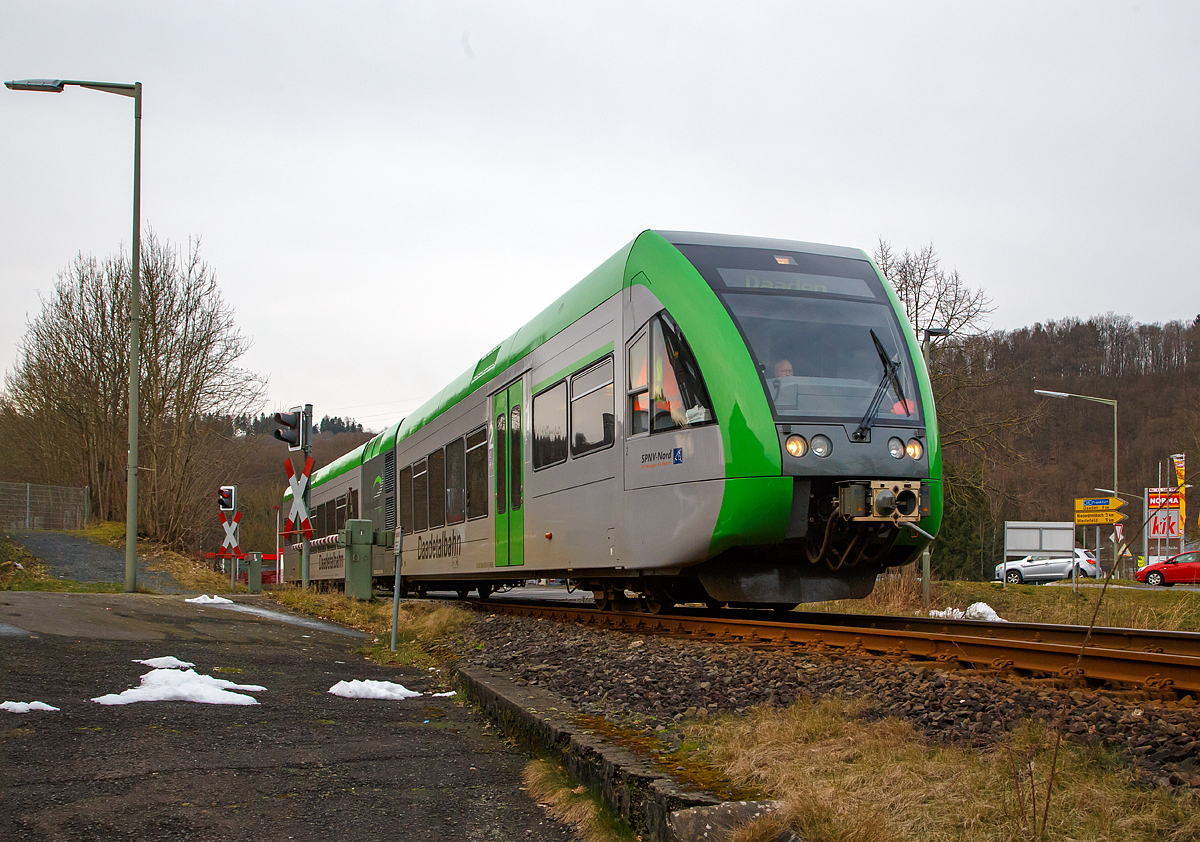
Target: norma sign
x,y
1166,519
1097,511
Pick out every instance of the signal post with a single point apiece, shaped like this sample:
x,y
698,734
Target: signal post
x,y
295,429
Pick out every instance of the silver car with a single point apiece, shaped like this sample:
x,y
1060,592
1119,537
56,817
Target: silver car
x,y
1041,568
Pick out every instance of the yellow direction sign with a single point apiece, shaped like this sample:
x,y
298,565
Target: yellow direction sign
x,y
1098,504
1098,517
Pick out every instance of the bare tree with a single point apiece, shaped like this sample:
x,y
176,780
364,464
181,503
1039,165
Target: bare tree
x,y
931,297
976,429
69,388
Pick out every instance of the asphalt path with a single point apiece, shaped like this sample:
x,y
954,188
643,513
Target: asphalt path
x,y
300,765
71,557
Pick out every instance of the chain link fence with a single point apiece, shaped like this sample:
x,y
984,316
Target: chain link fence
x,y
27,506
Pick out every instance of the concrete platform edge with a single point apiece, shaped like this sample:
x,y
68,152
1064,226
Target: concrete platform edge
x,y
652,803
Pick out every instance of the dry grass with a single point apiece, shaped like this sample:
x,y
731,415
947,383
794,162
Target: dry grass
x,y
843,779
1123,606
550,787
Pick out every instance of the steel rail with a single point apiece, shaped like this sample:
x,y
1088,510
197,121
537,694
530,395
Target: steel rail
x,y
1138,640
1154,670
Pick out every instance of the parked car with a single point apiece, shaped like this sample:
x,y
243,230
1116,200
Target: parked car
x,y
1042,568
1182,569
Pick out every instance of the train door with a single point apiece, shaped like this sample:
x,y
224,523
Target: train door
x,y
509,477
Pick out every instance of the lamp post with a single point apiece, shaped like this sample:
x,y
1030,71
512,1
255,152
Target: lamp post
x,y
134,90
1111,402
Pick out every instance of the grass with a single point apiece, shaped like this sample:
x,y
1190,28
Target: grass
x,y
1123,607
550,787
844,779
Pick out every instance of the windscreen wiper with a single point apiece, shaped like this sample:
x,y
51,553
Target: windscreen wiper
x,y
891,376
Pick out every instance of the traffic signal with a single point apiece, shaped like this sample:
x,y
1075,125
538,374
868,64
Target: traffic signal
x,y
227,498
294,426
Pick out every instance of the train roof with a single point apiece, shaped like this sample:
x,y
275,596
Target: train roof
x,y
696,238
597,287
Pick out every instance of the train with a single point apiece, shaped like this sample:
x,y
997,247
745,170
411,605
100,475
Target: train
x,y
704,418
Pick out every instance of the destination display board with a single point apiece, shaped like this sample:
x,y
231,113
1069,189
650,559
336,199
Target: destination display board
x,y
1098,511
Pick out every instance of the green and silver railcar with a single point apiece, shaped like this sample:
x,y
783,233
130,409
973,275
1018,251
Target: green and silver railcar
x,y
725,419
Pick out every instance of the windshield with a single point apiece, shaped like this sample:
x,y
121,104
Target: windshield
x,y
807,320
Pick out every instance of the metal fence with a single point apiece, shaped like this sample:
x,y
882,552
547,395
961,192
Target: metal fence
x,y
27,506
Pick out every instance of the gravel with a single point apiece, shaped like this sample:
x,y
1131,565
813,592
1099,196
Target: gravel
x,y
654,683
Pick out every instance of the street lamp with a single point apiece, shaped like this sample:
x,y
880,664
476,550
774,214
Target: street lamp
x,y
1111,402
134,90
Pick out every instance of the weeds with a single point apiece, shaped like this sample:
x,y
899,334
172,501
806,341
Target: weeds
x,y
550,787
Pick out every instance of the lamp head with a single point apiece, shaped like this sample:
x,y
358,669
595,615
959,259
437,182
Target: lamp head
x,y
54,86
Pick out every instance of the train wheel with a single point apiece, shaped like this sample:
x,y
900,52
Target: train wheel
x,y
653,604
422,592
462,592
485,591
657,600
603,600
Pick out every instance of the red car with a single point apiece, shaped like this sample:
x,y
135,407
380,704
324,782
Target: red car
x,y
1182,569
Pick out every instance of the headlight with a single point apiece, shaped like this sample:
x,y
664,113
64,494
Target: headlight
x,y
821,445
914,449
896,448
796,446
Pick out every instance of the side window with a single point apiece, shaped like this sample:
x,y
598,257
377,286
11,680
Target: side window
x,y
339,514
437,488
456,482
592,409
352,510
550,426
678,396
406,500
326,518
477,503
637,387
420,497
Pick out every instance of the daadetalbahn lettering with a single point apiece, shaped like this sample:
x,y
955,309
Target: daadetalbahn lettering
x,y
443,546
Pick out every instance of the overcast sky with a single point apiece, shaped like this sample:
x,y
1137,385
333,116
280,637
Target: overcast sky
x,y
386,190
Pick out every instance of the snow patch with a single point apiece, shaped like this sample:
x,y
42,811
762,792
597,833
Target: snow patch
x,y
25,707
975,611
205,599
165,662
372,690
175,685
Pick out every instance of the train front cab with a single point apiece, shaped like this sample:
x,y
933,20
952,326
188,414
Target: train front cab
x,y
820,518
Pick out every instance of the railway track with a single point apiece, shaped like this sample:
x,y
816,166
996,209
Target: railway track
x,y
1153,660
